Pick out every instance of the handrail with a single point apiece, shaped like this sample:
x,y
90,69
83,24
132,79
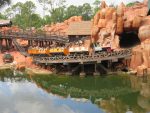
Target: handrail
x,y
85,58
33,36
22,50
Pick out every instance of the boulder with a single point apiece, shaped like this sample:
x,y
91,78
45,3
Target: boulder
x,y
144,32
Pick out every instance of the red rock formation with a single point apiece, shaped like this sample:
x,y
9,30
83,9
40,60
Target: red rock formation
x,y
140,60
61,28
109,23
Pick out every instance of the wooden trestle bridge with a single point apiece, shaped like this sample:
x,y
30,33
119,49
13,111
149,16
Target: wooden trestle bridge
x,y
97,57
45,39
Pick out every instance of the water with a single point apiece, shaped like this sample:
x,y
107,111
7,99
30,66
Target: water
x,y
53,94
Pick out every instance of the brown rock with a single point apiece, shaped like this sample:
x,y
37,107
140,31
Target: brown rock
x,y
96,18
109,13
102,13
127,25
120,25
144,32
95,30
114,17
136,22
102,23
103,4
145,21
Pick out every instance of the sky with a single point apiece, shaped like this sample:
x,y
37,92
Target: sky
x,y
75,2
25,97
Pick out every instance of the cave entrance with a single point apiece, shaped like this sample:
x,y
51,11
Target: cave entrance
x,y
129,39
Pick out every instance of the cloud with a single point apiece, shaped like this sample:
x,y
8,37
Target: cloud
x,y
28,98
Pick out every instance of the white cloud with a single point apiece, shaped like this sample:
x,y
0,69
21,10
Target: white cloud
x,y
27,98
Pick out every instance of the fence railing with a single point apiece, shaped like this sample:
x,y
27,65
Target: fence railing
x,y
98,57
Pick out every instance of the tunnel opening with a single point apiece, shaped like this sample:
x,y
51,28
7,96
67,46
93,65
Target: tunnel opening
x,y
129,39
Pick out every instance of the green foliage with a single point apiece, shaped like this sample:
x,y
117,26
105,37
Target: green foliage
x,y
2,16
130,4
24,16
96,5
4,2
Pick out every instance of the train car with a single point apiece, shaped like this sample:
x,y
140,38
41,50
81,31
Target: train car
x,y
73,50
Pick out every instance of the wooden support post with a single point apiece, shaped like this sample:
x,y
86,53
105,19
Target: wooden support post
x,y
42,43
82,74
7,43
31,42
10,43
1,40
110,65
35,42
69,70
38,43
96,73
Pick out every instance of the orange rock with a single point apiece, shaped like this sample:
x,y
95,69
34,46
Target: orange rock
x,y
109,13
136,22
102,23
95,30
140,70
127,25
102,13
103,4
144,32
145,21
114,17
120,10
120,25
96,18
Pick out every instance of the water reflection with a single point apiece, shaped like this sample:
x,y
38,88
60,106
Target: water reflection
x,y
115,94
26,97
51,94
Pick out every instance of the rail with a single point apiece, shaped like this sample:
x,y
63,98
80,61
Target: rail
x,y
97,57
21,49
34,36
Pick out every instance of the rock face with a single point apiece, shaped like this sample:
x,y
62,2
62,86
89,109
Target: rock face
x,y
61,28
141,57
109,24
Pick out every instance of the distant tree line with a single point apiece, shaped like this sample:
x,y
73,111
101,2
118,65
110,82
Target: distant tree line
x,y
24,14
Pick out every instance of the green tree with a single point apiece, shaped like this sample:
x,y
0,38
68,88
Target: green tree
x,y
72,11
47,19
131,4
4,2
2,16
58,15
56,9
22,14
96,5
87,11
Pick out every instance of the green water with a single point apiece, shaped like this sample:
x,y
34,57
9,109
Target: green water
x,y
109,94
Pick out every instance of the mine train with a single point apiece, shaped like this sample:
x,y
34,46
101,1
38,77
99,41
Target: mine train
x,y
35,51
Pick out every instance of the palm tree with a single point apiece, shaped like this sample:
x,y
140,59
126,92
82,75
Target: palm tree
x,y
4,2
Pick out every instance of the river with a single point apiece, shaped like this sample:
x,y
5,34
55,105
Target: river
x,y
61,94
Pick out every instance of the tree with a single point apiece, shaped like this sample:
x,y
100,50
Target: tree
x,y
55,7
58,15
4,2
87,11
131,4
96,5
2,16
72,11
22,13
47,19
